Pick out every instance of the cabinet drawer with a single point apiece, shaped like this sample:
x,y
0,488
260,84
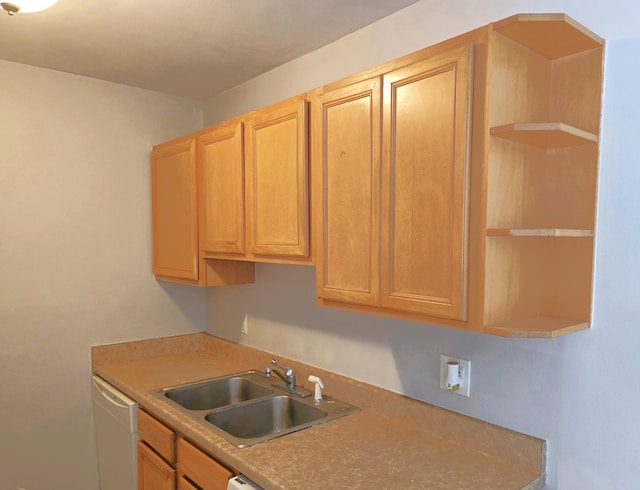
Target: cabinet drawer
x,y
157,436
201,469
153,472
184,484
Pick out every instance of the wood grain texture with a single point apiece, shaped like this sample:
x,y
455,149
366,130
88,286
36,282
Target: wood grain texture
x,y
220,156
548,135
157,436
550,232
222,272
175,210
184,484
277,180
153,472
347,153
552,35
539,327
425,185
203,470
545,101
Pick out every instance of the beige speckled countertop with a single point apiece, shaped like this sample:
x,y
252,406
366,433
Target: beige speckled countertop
x,y
392,442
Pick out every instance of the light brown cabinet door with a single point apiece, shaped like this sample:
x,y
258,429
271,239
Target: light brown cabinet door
x,y
175,210
200,468
277,180
220,157
347,123
184,484
424,195
153,472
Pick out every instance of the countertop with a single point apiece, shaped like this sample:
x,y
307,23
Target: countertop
x,y
392,442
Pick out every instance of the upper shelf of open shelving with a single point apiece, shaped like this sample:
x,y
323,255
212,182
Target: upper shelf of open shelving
x,y
545,135
551,35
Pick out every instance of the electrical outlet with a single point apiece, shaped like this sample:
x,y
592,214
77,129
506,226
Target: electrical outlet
x,y
245,325
464,371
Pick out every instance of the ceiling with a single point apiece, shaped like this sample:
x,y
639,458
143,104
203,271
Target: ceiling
x,y
194,49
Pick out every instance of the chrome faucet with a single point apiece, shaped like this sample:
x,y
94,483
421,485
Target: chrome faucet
x,y
288,377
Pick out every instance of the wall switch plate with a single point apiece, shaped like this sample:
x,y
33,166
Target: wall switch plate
x,y
245,326
465,375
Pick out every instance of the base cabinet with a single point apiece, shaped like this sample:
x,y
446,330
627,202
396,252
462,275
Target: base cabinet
x,y
195,467
167,461
184,484
154,473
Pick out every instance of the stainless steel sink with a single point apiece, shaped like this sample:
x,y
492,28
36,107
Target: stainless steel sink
x,y
273,415
216,393
248,408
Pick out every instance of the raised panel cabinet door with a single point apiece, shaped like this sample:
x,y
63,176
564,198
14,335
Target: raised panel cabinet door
x,y
184,484
201,469
175,209
425,185
153,472
277,180
221,161
348,125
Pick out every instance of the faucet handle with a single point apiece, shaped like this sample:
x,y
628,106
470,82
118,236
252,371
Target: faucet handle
x,y
287,370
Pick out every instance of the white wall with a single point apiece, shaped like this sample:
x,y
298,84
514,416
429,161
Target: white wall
x,y
562,390
75,258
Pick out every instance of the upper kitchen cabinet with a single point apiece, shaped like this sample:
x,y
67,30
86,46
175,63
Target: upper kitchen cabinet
x,y
254,174
545,99
456,186
392,175
277,182
347,125
175,211
221,163
425,169
176,217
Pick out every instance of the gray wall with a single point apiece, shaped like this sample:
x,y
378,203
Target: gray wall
x,y
568,390
75,259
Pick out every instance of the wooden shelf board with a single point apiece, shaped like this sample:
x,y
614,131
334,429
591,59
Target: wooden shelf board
x,y
551,35
538,232
545,135
539,327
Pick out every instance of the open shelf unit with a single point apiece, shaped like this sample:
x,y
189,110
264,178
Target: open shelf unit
x,y
544,114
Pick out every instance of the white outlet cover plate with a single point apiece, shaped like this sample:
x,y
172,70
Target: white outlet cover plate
x,y
465,388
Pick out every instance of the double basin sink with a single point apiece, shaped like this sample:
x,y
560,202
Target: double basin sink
x,y
249,407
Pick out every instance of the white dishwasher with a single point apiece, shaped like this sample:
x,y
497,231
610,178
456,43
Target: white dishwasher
x,y
241,482
116,426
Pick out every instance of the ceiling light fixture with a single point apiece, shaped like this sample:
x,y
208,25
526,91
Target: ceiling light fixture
x,y
26,6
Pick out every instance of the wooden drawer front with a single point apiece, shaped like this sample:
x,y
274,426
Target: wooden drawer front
x,y
201,469
153,472
184,484
157,436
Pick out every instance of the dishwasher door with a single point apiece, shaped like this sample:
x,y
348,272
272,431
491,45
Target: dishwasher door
x,y
116,436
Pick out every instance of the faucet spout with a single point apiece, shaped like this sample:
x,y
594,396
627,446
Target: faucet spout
x,y
288,375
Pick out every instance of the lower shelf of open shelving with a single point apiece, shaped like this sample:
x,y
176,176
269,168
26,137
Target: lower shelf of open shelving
x,y
541,327
559,232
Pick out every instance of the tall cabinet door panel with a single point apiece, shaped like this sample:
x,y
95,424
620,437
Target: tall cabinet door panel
x,y
220,155
348,122
175,210
424,196
278,180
